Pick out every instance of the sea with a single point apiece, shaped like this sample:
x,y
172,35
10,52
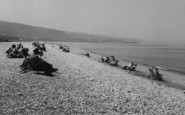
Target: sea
x,y
171,57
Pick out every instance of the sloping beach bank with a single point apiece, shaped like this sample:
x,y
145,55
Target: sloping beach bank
x,y
82,86
172,77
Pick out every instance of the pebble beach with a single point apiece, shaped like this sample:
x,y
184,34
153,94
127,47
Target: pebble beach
x,y
84,86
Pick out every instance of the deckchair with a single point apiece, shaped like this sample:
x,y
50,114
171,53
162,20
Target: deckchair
x,y
156,76
35,68
132,68
113,63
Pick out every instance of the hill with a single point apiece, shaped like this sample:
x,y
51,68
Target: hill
x,y
20,32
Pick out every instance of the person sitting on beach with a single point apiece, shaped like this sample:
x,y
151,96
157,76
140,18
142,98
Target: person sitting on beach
x,y
154,73
60,46
19,46
128,67
43,47
38,52
87,54
66,49
133,67
40,46
107,60
35,63
11,48
158,75
112,58
113,61
103,58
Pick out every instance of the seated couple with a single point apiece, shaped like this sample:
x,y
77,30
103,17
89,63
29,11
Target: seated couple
x,y
35,63
110,60
154,73
130,67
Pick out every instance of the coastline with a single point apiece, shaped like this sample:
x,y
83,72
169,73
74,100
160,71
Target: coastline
x,y
171,78
82,86
164,69
175,78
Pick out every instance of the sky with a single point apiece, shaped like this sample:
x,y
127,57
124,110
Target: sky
x,y
148,20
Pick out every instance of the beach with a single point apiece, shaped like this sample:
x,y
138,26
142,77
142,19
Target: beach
x,y
168,56
84,85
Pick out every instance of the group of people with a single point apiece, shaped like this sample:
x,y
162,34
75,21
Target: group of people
x,y
64,48
154,73
113,62
36,63
110,60
15,51
31,61
40,46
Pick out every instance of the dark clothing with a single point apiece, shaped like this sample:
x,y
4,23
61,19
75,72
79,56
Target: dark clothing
x,y
154,74
34,60
14,53
35,63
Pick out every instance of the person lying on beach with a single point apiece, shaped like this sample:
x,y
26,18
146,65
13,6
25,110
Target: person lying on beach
x,y
154,73
35,63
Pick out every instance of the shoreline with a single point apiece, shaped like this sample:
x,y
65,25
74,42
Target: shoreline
x,y
143,72
164,69
144,64
92,47
82,86
139,70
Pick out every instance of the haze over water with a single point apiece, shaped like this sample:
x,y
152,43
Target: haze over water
x,y
145,20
